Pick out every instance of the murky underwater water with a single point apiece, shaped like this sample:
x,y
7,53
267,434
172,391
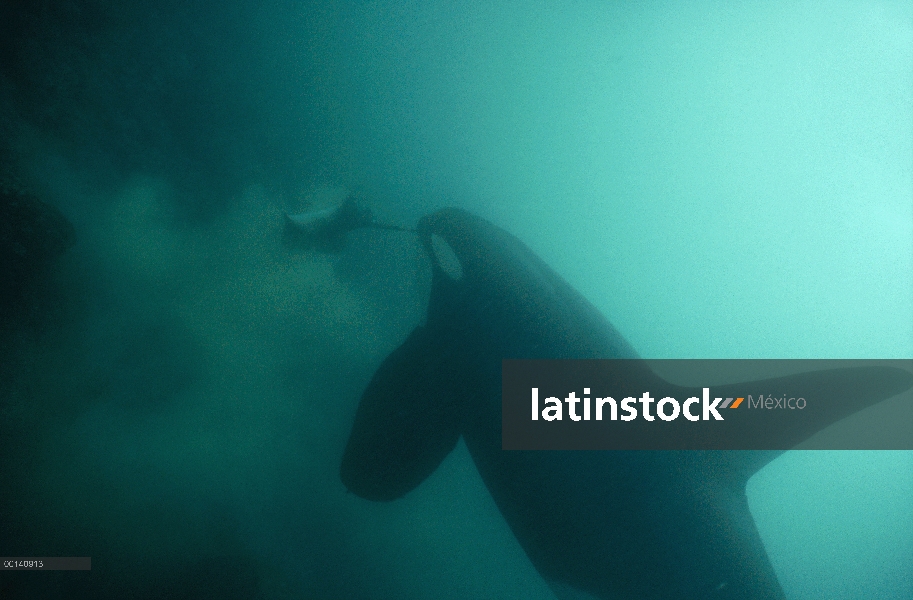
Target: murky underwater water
x,y
720,181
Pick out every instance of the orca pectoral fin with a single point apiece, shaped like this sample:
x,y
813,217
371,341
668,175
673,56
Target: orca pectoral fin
x,y
406,422
739,568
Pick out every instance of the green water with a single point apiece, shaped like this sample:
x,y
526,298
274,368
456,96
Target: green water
x,y
721,180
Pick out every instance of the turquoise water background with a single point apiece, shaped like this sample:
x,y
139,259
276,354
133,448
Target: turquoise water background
x,y
721,180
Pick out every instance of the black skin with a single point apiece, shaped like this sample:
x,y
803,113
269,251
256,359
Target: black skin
x,y
648,525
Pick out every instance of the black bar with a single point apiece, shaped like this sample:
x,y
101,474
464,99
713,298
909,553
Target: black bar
x,y
46,563
707,404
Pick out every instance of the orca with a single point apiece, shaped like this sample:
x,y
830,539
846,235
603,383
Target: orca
x,y
613,525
